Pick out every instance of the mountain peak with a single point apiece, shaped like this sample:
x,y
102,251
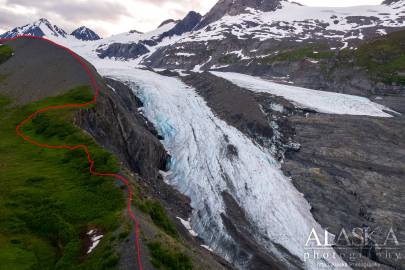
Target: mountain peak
x,y
394,2
85,34
39,28
187,24
42,20
166,22
235,7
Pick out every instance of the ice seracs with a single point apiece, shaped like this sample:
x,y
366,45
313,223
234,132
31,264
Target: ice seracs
x,y
201,169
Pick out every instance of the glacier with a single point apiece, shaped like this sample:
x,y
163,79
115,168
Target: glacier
x,y
320,101
201,169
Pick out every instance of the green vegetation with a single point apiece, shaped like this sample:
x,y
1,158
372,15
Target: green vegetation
x,y
168,259
5,53
48,197
159,216
228,59
384,58
297,54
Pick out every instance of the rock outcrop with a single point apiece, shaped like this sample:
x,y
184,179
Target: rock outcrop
x,y
85,34
235,7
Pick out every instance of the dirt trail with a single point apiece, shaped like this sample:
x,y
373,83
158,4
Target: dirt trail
x,y
82,146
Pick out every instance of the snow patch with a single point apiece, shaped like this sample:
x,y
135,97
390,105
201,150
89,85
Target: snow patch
x,y
112,88
95,238
207,248
187,225
320,101
185,54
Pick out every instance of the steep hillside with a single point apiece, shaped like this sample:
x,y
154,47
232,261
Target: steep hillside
x,y
384,58
49,201
248,31
28,81
55,214
374,70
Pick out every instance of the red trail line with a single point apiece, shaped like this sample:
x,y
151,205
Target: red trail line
x,y
81,146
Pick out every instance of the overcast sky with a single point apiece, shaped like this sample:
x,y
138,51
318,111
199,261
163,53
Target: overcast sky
x,y
108,17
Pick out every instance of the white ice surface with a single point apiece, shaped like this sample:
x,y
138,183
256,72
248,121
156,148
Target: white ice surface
x,y
201,169
320,101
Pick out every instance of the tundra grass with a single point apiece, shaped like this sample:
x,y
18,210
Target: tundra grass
x,y
168,259
301,53
158,215
48,197
384,58
5,53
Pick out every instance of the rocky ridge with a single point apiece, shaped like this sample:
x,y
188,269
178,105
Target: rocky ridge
x,y
85,34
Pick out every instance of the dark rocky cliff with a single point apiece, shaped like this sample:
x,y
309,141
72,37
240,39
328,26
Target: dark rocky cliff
x,y
116,124
351,171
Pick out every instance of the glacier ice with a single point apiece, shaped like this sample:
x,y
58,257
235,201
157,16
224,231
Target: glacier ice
x,y
201,169
320,101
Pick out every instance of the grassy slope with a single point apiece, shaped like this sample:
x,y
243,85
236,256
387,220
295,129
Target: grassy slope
x,y
384,58
47,197
316,52
5,53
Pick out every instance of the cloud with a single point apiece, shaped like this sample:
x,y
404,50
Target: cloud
x,y
75,10
68,14
105,16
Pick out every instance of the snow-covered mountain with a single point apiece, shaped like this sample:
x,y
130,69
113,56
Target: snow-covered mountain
x,y
250,34
239,31
236,31
301,23
44,28
40,28
84,33
234,8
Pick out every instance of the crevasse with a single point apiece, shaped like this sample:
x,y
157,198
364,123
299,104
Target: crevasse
x,y
201,169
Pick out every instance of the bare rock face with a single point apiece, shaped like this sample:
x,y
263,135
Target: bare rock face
x,y
351,172
120,50
185,25
85,34
389,2
235,7
117,125
166,22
